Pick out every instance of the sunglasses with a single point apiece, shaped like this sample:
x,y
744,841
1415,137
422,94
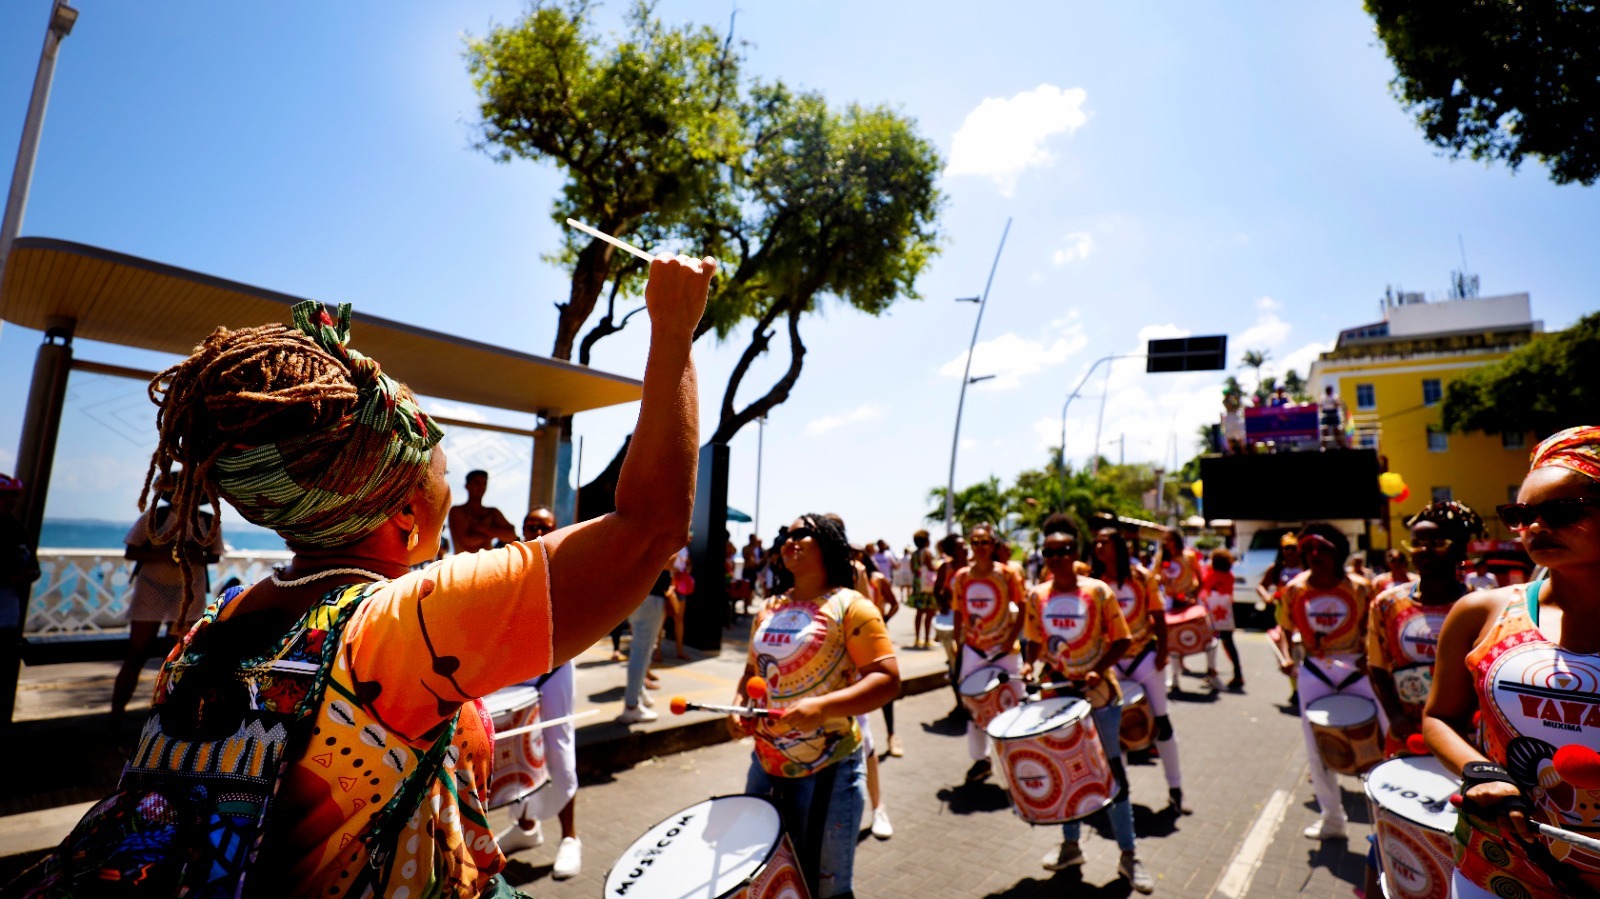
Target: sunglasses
x,y
980,542
799,534
1059,552
1556,513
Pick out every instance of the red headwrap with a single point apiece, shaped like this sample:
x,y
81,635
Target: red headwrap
x,y
1577,449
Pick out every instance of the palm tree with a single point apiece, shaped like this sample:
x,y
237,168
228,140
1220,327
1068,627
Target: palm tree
x,y
1255,359
981,503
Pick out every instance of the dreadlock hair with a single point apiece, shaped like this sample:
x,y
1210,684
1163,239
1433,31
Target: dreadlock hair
x,y
828,531
243,387
1119,545
1455,521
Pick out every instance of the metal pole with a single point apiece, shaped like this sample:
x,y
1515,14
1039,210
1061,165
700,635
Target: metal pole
x,y
62,18
761,433
955,442
1076,392
1099,422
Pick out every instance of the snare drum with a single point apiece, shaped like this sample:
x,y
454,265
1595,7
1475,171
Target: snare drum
x,y
1346,730
1056,769
1138,722
519,767
1411,812
1189,631
985,695
729,847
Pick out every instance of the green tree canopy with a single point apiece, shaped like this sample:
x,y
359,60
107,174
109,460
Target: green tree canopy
x,y
1543,386
1501,79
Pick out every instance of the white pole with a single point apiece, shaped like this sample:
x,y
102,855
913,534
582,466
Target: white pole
x,y
761,433
62,18
955,442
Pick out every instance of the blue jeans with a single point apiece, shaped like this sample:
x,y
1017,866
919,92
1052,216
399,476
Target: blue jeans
x,y
1108,721
646,623
828,857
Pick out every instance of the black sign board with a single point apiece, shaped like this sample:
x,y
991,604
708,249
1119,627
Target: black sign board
x,y
1208,353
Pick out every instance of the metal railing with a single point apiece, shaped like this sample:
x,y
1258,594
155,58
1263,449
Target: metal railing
x,y
85,592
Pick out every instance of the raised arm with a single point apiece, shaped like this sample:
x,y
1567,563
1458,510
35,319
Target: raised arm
x,y
600,570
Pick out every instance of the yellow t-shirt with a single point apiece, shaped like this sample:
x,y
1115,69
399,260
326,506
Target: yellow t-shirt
x,y
809,648
1138,599
1331,621
1403,639
1073,627
986,601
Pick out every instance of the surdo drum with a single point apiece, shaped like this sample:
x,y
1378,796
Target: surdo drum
x,y
1055,767
1189,631
1138,722
986,694
728,847
1413,818
519,767
1347,733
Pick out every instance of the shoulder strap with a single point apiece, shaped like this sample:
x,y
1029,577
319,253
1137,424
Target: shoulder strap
x,y
1531,600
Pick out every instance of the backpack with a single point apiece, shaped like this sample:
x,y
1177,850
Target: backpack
x,y
194,800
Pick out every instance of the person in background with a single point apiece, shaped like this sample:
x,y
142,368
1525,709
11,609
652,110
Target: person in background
x,y
987,598
678,598
826,658
884,560
1216,591
1178,571
1397,570
867,578
924,602
1330,416
475,526
1284,568
157,596
903,577
753,555
1480,578
1522,656
19,568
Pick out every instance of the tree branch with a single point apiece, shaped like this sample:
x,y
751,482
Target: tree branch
x,y
730,425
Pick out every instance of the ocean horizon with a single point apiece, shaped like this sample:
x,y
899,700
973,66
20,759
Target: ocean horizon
x,y
91,533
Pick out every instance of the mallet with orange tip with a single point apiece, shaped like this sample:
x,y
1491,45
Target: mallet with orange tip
x,y
755,688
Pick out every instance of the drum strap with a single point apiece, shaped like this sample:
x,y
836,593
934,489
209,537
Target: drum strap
x,y
1134,663
1310,665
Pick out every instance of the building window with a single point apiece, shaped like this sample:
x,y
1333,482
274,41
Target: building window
x,y
1366,397
1442,495
1438,440
1432,392
1514,440
1367,438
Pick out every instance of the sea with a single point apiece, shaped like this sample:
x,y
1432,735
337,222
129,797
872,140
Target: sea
x,y
89,533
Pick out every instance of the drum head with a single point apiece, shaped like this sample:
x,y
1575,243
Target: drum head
x,y
510,699
706,850
1416,790
1341,710
982,680
1033,718
1132,693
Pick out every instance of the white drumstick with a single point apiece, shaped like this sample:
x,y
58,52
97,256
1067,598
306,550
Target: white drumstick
x,y
1566,836
619,244
527,728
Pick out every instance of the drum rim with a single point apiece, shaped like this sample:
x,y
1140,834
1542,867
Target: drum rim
x,y
765,860
537,697
974,673
1366,787
1084,817
1069,699
1312,704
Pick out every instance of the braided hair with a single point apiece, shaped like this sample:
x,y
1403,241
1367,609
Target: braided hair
x,y
1456,521
828,532
1119,545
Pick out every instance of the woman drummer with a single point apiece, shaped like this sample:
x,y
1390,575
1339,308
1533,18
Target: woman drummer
x,y
1328,607
1179,574
1076,630
1145,660
1525,655
304,435
826,658
986,597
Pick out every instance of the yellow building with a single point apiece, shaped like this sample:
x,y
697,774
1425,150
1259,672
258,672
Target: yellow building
x,y
1391,376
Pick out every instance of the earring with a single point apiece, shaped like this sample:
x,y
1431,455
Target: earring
x,y
411,541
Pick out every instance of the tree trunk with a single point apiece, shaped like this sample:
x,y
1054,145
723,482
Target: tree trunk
x,y
588,280
732,421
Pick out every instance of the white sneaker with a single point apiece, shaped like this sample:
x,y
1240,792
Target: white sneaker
x,y
646,700
636,715
881,828
1325,829
515,839
569,859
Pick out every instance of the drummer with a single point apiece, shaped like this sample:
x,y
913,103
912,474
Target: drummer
x,y
1178,572
1524,654
1328,607
1405,620
987,598
1076,629
826,657
1145,660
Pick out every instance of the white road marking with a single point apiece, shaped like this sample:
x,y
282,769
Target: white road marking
x,y
1236,879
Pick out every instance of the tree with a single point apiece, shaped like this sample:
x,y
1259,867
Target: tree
x,y
1255,359
1543,386
1500,79
1296,387
549,91
982,503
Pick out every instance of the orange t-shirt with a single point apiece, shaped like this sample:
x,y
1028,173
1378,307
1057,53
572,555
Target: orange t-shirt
x,y
1332,621
1180,577
1075,626
1403,639
419,649
986,601
1138,599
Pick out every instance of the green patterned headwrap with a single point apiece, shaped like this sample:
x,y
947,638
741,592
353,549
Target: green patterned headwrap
x,y
335,485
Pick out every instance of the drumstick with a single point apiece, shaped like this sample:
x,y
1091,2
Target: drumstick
x,y
541,725
679,705
1550,831
619,244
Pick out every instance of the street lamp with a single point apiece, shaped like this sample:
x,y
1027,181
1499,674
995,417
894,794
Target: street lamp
x,y
62,18
966,378
1076,392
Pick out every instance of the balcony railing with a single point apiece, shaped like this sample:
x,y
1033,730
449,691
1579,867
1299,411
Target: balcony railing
x,y
85,592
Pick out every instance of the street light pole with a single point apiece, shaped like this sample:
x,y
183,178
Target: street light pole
x,y
62,18
761,433
966,378
1076,392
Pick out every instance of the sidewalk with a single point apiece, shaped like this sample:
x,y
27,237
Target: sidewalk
x,y
66,756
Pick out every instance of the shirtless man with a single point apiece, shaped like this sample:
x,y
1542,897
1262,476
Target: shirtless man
x,y
474,526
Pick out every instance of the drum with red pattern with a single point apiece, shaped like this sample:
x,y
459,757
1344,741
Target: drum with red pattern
x,y
1189,631
1346,730
989,691
1138,721
1055,767
1413,817
519,767
728,847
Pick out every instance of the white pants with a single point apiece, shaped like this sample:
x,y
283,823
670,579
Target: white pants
x,y
977,740
557,697
1324,783
1175,664
1148,676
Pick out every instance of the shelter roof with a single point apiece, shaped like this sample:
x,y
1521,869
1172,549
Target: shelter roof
x,y
122,299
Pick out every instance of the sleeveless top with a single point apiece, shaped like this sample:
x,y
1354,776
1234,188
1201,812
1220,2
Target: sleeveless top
x,y
1541,722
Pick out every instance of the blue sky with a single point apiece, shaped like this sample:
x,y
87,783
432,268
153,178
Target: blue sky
x,y
1170,168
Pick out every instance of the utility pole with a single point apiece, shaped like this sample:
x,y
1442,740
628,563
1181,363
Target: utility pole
x,y
966,379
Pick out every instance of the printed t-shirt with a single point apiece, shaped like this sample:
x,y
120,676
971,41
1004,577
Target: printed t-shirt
x,y
1386,580
1332,621
411,656
810,648
1180,577
986,600
1074,627
1138,599
1403,639
1216,590
1541,722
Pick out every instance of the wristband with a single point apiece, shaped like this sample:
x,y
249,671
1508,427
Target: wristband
x,y
1475,773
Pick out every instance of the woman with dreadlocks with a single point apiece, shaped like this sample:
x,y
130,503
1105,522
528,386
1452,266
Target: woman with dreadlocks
x,y
826,658
330,713
1525,655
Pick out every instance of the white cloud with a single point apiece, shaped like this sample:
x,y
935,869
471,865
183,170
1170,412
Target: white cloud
x,y
1268,304
1003,137
1011,358
1268,331
829,422
1075,246
1300,360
